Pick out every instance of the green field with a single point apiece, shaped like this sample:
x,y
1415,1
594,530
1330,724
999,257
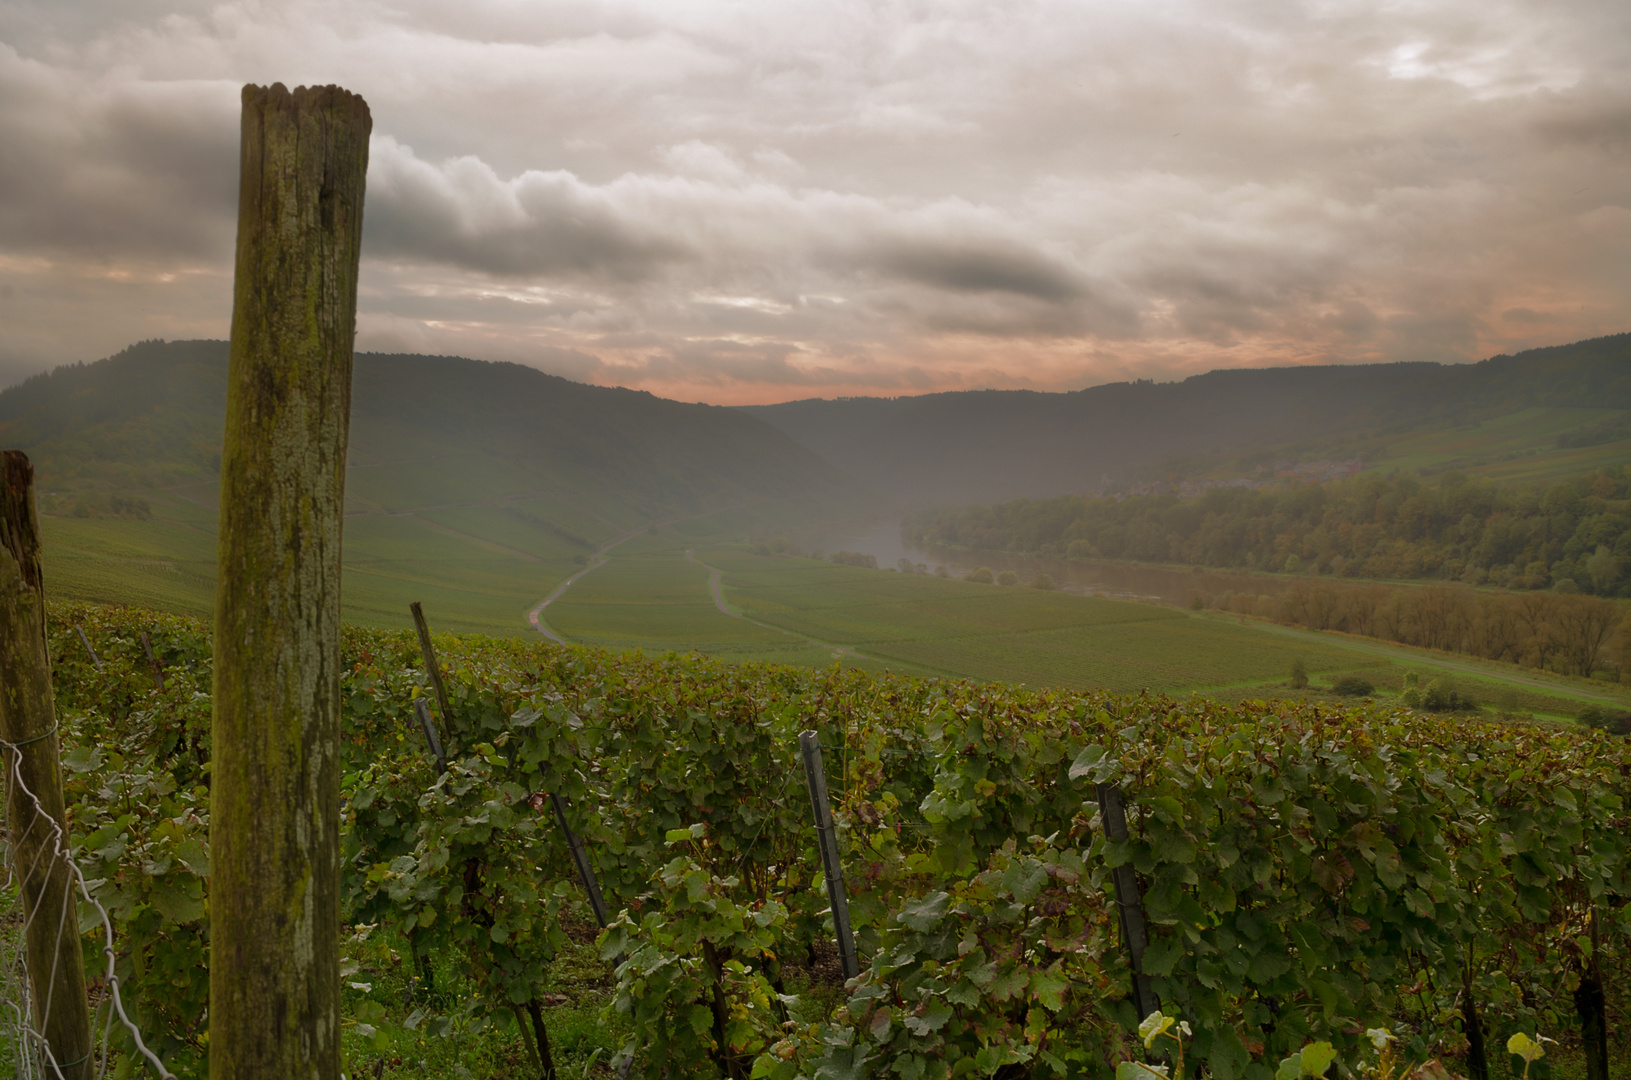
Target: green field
x,y
1519,446
956,628
650,596
479,567
658,601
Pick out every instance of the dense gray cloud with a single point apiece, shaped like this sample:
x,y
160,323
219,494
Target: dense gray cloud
x,y
747,202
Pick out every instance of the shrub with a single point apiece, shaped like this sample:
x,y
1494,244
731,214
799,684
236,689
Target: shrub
x,y
981,575
1299,674
1353,686
1042,581
1441,695
1007,577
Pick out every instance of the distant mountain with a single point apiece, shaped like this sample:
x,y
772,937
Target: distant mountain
x,y
1000,444
152,417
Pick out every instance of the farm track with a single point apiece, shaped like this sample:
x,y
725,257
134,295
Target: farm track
x,y
535,616
719,602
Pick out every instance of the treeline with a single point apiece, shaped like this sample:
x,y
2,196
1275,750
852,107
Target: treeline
x,y
1572,535
1571,634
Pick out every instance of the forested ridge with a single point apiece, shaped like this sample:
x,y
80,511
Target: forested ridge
x,y
1574,535
151,416
984,445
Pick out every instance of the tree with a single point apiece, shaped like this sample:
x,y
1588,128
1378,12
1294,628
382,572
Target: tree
x,y
1583,625
1299,674
1604,570
1007,577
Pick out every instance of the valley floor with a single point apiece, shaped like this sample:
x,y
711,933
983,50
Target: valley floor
x,y
692,584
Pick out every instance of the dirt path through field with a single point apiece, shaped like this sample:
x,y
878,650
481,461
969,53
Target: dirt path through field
x,y
598,559
719,602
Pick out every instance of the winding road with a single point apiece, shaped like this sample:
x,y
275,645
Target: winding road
x,y
598,559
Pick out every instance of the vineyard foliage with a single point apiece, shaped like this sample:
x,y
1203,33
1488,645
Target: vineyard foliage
x,y
1308,872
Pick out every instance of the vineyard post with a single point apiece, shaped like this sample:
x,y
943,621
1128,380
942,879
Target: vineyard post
x,y
34,802
433,669
1129,904
275,793
581,858
153,662
85,641
422,711
1591,1004
815,777
1472,1026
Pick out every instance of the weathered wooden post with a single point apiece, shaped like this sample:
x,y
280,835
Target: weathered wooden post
x,y
274,827
38,833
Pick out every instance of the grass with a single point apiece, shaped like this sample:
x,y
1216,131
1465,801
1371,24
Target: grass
x,y
419,1033
1021,635
478,568
657,601
1518,446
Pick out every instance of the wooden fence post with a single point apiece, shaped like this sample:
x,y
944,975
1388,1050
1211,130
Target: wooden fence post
x,y
434,670
1113,815
36,818
275,791
815,777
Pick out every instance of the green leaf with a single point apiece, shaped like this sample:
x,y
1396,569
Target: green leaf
x,y
1525,1047
1083,765
1048,987
1163,954
881,1023
926,914
1025,880
911,1066
702,1019
1317,1057
179,901
1153,1026
1228,1058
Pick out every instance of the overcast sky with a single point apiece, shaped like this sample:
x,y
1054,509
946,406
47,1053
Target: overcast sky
x,y
768,200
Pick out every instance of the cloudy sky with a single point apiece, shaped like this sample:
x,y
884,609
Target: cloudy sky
x,y
760,201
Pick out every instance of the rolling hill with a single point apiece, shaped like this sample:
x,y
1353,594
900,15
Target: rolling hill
x,y
480,485
991,445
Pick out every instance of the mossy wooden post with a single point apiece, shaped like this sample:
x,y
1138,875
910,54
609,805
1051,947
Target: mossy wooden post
x,y
56,967
275,796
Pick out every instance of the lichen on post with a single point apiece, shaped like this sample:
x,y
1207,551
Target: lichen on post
x,y
274,825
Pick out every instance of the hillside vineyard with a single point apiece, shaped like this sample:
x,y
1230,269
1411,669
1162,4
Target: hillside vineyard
x,y
1307,872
